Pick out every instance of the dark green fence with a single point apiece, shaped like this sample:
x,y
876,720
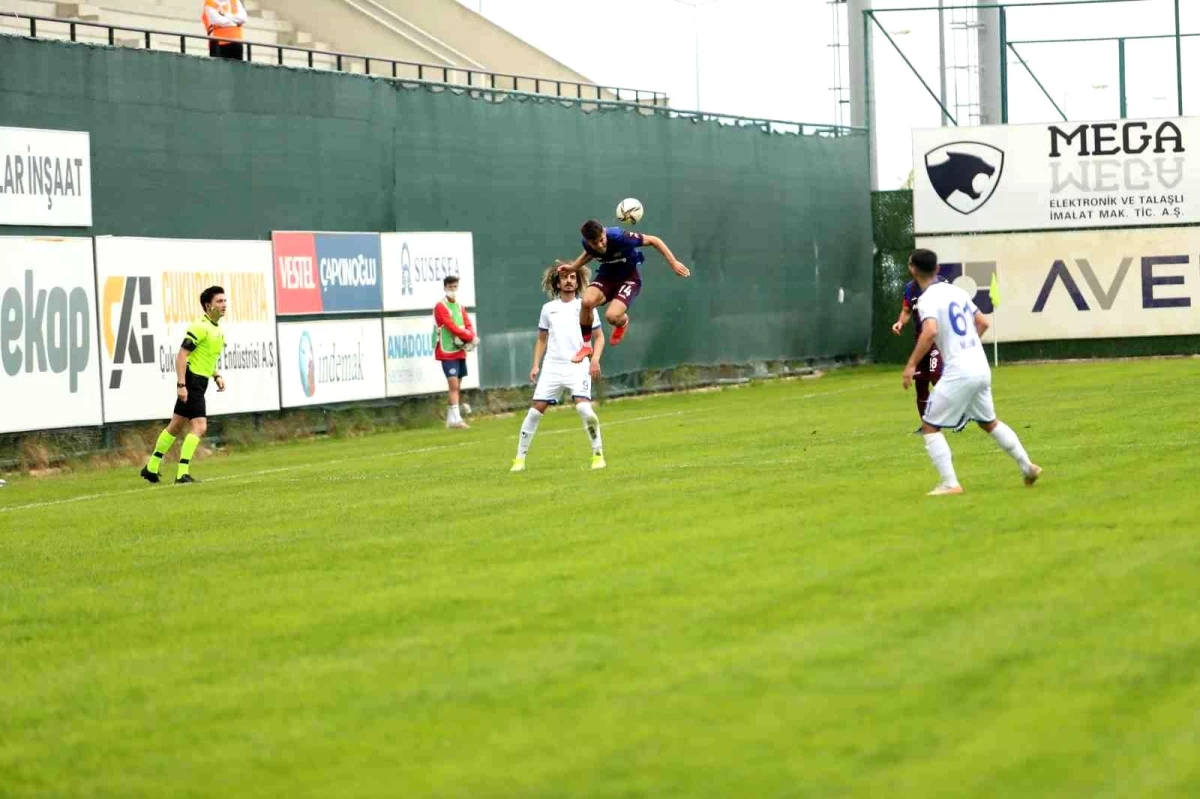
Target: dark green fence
x,y
776,227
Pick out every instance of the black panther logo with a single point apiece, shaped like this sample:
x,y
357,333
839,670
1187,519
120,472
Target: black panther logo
x,y
953,169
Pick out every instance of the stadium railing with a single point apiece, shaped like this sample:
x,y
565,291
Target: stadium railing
x,y
371,65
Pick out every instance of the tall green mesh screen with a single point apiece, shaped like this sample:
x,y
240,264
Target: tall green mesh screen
x,y
776,227
893,228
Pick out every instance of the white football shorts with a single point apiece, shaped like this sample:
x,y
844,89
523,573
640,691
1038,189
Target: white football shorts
x,y
557,377
958,399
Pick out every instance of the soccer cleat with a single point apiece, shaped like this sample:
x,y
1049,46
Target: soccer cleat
x,y
943,490
584,352
598,461
518,464
618,334
1034,473
459,425
149,476
187,478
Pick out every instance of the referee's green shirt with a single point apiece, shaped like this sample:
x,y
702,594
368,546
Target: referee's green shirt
x,y
205,339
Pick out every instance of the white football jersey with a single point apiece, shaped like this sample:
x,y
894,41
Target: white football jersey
x,y
957,340
561,319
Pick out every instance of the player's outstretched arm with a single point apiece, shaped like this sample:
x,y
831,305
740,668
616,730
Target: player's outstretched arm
x,y
539,350
583,259
661,246
905,315
924,344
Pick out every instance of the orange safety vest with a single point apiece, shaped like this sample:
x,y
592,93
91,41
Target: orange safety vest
x,y
226,7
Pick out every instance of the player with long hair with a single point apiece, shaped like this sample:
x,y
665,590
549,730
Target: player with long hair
x,y
554,371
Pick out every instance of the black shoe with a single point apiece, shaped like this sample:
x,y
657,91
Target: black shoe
x,y
187,478
148,475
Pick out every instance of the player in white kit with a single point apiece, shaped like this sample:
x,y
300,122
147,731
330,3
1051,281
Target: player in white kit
x,y
950,320
560,337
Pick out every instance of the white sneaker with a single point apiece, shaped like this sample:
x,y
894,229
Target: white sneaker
x,y
458,425
1035,472
944,490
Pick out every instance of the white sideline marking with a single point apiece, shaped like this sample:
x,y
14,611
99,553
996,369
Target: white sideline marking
x,y
237,477
849,390
296,467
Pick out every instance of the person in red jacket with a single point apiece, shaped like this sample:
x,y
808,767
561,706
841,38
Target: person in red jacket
x,y
453,338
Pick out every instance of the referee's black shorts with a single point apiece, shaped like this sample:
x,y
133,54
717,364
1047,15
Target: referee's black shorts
x,y
195,407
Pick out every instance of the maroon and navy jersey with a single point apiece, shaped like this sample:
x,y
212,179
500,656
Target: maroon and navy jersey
x,y
912,292
621,255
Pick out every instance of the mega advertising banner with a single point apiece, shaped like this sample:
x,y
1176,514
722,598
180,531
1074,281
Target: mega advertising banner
x,y
1081,284
415,264
49,362
149,295
46,178
411,367
1121,173
326,273
331,361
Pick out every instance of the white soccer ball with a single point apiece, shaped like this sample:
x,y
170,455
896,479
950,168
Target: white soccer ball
x,y
630,211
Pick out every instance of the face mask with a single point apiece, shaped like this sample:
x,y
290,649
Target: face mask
x,y
450,295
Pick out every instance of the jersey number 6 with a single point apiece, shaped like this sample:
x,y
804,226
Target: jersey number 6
x,y
958,319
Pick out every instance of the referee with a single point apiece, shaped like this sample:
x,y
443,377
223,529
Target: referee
x,y
194,365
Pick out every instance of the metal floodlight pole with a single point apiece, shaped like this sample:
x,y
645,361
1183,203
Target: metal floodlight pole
x,y
872,166
942,58
862,80
990,48
696,49
1121,76
695,5
1178,59
1003,66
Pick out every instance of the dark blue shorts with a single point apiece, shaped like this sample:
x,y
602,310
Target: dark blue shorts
x,y
455,368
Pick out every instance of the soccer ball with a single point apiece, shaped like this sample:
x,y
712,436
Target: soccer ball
x,y
630,210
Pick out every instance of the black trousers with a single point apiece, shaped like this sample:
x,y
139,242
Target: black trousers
x,y
227,50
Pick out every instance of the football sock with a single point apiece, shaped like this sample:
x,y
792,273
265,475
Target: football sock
x,y
528,428
586,329
1009,442
453,415
161,447
591,425
190,442
939,452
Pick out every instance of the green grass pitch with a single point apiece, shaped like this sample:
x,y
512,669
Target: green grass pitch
x,y
754,599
